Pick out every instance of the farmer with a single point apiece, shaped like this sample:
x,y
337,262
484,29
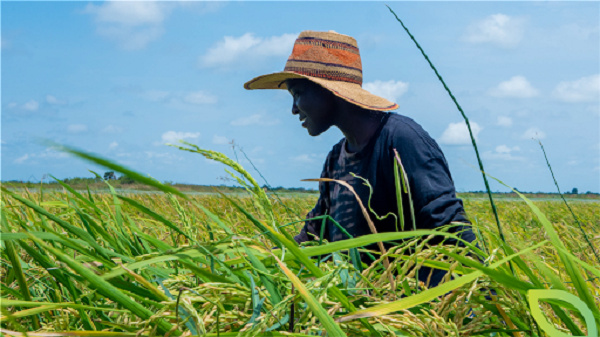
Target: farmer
x,y
324,76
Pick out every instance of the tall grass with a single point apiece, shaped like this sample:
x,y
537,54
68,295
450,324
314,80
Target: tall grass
x,y
174,264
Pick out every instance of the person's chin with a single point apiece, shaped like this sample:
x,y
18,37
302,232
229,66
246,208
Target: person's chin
x,y
315,133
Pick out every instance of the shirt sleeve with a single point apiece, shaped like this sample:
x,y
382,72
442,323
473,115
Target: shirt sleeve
x,y
432,189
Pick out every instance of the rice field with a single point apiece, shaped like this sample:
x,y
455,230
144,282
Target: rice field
x,y
76,263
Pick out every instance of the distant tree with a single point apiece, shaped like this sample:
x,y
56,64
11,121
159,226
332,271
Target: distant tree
x,y
110,175
574,190
126,180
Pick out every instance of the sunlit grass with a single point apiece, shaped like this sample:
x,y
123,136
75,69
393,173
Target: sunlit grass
x,y
158,264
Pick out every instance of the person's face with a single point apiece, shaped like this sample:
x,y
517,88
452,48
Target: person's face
x,y
313,104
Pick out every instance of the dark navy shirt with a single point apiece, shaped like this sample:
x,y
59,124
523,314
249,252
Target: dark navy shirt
x,y
433,194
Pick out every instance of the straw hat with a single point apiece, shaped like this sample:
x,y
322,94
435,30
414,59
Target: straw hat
x,y
331,60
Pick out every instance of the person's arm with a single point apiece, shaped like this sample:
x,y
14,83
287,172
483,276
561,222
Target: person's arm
x,y
433,192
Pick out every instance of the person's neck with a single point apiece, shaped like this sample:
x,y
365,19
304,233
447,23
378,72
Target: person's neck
x,y
358,126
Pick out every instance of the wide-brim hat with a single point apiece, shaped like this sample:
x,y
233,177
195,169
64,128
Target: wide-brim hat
x,y
331,60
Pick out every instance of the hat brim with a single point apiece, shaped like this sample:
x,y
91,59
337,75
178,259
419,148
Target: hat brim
x,y
349,92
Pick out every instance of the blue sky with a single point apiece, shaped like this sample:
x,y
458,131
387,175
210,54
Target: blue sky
x,y
121,79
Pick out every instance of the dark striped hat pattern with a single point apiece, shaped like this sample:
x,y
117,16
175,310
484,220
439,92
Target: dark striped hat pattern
x,y
331,60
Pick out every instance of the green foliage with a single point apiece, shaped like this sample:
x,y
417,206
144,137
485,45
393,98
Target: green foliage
x,y
174,263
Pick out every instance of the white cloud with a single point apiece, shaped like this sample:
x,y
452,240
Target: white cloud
x,y
458,134
245,47
391,90
307,158
129,13
51,152
31,105
504,121
179,98
585,89
22,159
506,149
220,140
174,137
113,145
131,24
533,133
517,86
53,100
503,152
134,24
200,97
130,38
77,128
498,29
11,105
47,153
256,119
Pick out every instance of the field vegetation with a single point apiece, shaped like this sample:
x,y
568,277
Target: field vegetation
x,y
169,263
125,184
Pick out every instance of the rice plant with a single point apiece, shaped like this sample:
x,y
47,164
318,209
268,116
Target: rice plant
x,y
175,264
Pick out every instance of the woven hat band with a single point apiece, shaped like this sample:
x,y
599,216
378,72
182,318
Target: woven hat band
x,y
332,72
325,57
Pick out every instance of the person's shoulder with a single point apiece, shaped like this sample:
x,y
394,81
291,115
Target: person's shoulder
x,y
404,129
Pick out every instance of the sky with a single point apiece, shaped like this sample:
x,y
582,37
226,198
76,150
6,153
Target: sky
x,y
122,79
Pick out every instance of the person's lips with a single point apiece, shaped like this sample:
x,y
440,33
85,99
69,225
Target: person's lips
x,y
303,119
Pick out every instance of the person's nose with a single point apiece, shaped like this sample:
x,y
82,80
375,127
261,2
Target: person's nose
x,y
295,109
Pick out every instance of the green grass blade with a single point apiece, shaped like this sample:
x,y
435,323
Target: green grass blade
x,y
15,262
263,200
473,142
107,289
96,159
574,273
79,196
267,282
380,237
154,215
10,303
332,328
74,334
78,232
398,188
403,180
429,294
289,243
184,257
589,267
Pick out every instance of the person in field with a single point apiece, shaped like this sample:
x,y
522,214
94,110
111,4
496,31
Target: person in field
x,y
324,76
